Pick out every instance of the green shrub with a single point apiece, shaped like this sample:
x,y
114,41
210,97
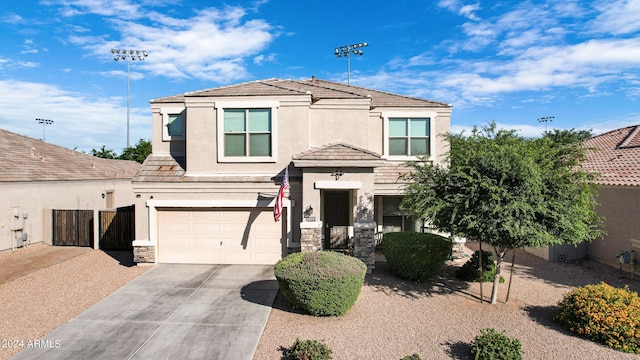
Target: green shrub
x,y
308,350
412,357
492,345
323,283
604,314
415,256
470,271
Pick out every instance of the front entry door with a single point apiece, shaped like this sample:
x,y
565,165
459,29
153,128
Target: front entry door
x,y
336,218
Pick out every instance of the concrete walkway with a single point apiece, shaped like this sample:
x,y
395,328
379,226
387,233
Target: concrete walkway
x,y
171,312
27,260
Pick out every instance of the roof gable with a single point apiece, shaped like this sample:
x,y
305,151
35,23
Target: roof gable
x,y
27,159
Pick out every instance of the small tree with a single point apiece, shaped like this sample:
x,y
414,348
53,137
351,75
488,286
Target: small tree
x,y
507,191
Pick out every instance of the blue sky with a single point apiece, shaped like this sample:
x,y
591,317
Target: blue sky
x,y
512,62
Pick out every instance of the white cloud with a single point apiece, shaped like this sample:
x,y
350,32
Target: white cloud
x,y
79,121
113,8
618,17
13,19
457,6
211,45
262,59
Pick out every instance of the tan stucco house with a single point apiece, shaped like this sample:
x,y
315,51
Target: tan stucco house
x,y
38,177
206,193
615,157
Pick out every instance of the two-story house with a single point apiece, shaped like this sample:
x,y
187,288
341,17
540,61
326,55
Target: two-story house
x,y
206,194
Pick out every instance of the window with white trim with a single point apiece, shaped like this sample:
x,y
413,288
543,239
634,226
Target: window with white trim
x,y
173,124
247,132
409,136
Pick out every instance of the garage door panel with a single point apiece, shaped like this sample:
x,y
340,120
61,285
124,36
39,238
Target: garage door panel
x,y
219,236
206,227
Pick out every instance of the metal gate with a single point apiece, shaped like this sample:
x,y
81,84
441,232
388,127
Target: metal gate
x,y
73,228
117,228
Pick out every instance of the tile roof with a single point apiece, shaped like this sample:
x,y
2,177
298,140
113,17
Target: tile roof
x,y
316,88
169,168
27,159
337,151
390,173
615,155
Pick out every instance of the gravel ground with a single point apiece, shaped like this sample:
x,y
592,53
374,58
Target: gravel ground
x,y
439,319
35,304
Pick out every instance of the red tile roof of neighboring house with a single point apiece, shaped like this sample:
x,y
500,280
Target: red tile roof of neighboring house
x,y
27,159
615,155
316,88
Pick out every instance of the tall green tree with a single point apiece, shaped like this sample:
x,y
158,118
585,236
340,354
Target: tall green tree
x,y
566,137
506,191
103,152
138,153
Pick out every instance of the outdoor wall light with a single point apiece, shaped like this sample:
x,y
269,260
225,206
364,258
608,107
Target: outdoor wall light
x,y
103,195
308,211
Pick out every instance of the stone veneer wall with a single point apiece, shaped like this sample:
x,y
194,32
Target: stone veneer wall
x,y
364,244
144,254
310,236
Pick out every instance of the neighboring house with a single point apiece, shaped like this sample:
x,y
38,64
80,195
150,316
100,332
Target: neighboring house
x,y
206,193
39,177
614,155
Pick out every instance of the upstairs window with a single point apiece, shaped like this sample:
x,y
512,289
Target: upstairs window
x,y
173,124
409,136
247,133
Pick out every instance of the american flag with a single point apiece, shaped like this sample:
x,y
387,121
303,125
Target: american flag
x,y
277,207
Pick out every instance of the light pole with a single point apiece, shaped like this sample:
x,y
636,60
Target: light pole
x,y
346,51
44,123
129,55
546,120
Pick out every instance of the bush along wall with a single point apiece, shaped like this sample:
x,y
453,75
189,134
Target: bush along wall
x,y
323,283
415,256
470,271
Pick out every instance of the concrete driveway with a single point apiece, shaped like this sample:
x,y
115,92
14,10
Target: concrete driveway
x,y
170,312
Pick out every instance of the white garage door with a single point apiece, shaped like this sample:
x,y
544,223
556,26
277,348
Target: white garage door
x,y
220,236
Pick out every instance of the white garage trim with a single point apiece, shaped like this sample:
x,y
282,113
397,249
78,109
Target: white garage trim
x,y
155,204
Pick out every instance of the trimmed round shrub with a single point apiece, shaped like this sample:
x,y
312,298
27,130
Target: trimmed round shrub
x,y
308,350
323,283
470,271
492,345
415,256
604,314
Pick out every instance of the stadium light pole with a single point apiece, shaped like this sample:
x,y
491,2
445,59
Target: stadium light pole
x,y
44,123
129,55
346,51
546,120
